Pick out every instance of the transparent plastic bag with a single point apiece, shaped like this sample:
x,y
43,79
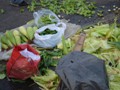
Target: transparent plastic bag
x,y
44,17
49,40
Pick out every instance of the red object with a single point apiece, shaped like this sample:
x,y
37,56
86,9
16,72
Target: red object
x,y
20,67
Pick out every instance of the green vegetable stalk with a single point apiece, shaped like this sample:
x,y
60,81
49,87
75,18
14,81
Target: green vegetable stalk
x,y
65,49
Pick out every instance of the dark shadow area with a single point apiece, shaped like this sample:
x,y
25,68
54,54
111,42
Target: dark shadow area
x,y
26,85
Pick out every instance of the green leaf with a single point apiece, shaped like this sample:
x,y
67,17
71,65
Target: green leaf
x,y
115,44
2,75
2,11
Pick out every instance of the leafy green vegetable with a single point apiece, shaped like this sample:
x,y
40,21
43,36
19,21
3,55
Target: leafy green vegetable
x,y
47,31
2,75
116,44
2,11
32,6
81,7
49,59
47,19
119,38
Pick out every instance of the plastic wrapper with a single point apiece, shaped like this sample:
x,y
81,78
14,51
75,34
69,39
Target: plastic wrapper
x,y
49,40
23,62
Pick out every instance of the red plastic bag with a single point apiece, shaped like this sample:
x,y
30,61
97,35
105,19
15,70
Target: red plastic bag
x,y
21,67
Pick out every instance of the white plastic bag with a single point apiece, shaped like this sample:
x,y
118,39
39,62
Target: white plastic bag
x,y
49,40
44,17
29,54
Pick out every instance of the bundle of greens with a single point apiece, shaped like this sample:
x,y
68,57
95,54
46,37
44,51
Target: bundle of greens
x,y
47,78
49,58
47,31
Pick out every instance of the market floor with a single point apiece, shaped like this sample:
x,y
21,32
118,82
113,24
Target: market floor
x,y
12,17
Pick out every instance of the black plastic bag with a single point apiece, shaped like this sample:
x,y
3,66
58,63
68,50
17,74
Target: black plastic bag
x,y
82,71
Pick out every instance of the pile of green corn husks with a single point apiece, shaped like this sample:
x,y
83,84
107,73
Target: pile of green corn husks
x,y
103,41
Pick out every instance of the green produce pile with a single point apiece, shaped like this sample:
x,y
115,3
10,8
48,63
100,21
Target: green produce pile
x,y
17,36
81,7
49,81
49,59
47,31
103,41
